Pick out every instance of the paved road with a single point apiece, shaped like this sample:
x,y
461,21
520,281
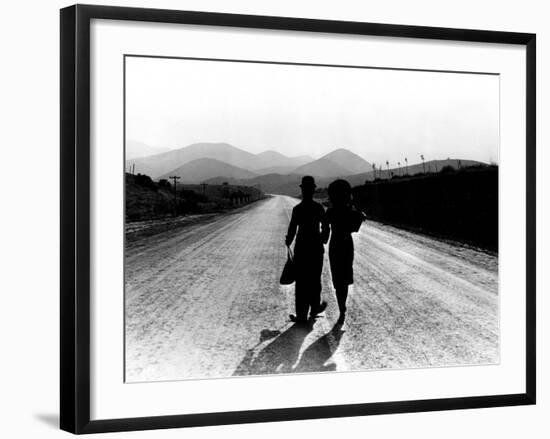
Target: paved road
x,y
204,301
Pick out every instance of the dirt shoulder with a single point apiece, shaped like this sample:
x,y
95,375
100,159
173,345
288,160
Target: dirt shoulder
x,y
136,230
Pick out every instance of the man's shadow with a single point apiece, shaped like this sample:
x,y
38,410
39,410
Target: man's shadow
x,y
281,354
316,356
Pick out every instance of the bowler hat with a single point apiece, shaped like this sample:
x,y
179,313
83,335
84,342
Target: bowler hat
x,y
308,181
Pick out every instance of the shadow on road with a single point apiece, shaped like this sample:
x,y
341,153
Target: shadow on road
x,y
281,354
316,356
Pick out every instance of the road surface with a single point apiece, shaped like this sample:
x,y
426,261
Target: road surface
x,y
204,301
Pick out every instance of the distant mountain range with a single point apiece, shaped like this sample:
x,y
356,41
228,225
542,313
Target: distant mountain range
x,y
338,163
199,170
215,163
160,164
289,184
271,159
136,150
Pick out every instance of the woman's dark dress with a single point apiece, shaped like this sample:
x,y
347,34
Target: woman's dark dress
x,y
343,222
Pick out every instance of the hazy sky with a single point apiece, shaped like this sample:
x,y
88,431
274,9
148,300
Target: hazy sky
x,y
378,114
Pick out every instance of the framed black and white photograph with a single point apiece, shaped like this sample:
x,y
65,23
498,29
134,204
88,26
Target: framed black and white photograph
x,y
274,218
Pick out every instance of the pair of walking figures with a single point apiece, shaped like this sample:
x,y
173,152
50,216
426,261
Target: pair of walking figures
x,y
311,226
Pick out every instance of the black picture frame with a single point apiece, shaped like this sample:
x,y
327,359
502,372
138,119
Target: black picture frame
x,y
75,217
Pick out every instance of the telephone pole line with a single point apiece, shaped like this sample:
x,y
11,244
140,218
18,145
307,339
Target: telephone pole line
x,y
175,178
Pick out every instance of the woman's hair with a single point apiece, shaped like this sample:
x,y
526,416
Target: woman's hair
x,y
339,192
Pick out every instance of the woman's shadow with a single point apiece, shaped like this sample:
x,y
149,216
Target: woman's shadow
x,y
317,355
281,354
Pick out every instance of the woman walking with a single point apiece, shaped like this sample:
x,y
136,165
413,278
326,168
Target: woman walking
x,y
343,219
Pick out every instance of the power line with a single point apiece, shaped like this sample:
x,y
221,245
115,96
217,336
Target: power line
x,y
175,178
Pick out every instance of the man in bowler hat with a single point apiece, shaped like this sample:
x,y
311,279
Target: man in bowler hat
x,y
310,227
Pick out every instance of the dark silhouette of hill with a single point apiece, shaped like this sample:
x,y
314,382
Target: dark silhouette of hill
x,y
199,170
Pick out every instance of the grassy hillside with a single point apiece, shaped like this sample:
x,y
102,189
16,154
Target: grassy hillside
x,y
429,167
146,199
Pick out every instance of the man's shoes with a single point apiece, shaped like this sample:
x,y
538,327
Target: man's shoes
x,y
315,312
296,320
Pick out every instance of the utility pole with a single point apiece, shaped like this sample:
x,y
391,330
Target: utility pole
x,y
423,164
388,166
399,168
175,178
134,168
204,188
406,166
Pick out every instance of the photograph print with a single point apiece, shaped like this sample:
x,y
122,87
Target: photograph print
x,y
286,218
